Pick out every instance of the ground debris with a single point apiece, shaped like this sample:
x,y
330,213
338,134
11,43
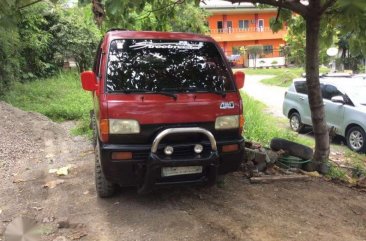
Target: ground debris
x,y
62,171
270,179
78,235
362,182
53,183
61,238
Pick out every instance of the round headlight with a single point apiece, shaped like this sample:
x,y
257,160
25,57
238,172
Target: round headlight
x,y
168,150
198,148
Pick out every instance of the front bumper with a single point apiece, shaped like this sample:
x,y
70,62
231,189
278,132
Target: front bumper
x,y
145,168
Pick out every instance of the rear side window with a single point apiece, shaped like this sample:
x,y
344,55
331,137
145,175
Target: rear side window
x,y
161,65
301,87
329,91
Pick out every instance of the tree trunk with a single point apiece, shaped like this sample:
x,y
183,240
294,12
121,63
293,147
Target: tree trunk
x,y
321,153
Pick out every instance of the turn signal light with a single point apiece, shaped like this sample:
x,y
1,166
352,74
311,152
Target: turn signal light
x,y
241,121
104,129
230,148
121,155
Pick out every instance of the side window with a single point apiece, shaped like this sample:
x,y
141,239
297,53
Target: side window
x,y
97,60
329,91
301,87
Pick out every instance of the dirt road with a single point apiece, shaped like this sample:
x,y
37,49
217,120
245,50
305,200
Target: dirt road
x,y
272,96
312,210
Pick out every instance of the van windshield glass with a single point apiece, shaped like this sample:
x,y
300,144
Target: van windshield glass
x,y
166,66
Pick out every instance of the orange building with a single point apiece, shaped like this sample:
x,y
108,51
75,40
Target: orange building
x,y
239,25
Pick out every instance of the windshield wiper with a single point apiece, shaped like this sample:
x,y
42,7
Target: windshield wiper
x,y
195,90
147,92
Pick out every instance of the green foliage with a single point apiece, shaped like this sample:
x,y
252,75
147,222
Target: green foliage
x,y
260,126
158,15
345,17
76,37
9,57
35,40
60,98
336,173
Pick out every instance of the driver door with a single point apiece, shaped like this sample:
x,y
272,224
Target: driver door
x,y
334,112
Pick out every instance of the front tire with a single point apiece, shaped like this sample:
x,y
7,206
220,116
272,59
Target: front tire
x,y
356,139
104,187
295,122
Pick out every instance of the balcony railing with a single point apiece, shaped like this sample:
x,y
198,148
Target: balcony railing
x,y
238,34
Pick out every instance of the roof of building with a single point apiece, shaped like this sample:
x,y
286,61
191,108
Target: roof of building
x,y
219,6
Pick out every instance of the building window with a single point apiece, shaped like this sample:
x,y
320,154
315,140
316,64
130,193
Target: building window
x,y
260,27
229,26
268,49
219,26
243,24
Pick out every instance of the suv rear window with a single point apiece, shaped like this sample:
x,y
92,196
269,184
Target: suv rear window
x,y
301,87
161,65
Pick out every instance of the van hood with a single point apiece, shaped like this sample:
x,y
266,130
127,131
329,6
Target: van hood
x,y
156,112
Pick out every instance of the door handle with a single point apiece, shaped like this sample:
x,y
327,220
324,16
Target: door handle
x,y
302,98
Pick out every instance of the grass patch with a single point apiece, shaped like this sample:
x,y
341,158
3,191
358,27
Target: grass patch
x,y
251,71
285,77
262,127
336,173
357,162
60,98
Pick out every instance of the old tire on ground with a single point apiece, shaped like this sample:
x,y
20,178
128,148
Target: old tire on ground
x,y
295,122
356,139
293,148
104,187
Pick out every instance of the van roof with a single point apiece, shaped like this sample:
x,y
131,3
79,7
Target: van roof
x,y
126,34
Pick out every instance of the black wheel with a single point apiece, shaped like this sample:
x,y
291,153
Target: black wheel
x,y
356,139
295,122
104,187
93,125
293,148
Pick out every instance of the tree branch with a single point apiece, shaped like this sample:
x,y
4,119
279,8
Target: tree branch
x,y
293,5
279,11
327,5
29,4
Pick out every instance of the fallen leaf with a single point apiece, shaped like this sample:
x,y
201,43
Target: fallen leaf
x,y
19,180
77,235
53,184
62,171
311,174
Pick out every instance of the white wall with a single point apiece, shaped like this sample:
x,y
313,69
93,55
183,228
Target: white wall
x,y
267,62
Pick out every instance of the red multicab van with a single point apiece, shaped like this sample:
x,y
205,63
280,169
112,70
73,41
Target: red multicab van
x,y
167,111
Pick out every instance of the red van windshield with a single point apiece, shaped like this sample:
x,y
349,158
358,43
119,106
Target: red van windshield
x,y
166,65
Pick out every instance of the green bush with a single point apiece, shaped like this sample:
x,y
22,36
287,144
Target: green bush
x,y
60,98
262,127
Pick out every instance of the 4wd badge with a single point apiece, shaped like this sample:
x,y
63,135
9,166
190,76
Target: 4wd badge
x,y
227,105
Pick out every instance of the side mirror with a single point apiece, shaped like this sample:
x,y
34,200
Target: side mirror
x,y
239,79
88,80
338,99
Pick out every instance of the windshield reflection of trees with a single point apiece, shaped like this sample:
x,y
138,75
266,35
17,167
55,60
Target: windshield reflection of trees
x,y
163,69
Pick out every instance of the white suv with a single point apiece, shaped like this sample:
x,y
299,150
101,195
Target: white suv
x,y
345,107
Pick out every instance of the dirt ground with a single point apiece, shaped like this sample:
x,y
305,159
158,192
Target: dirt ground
x,y
31,144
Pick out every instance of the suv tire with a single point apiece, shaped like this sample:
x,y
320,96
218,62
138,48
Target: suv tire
x,y
356,139
104,187
295,122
